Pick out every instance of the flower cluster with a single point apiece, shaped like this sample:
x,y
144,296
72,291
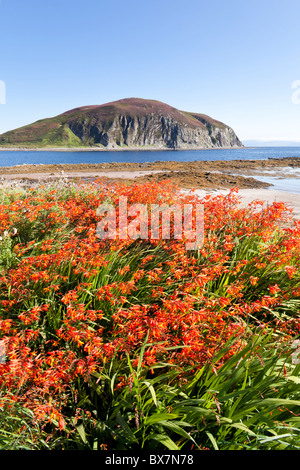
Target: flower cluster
x,y
70,303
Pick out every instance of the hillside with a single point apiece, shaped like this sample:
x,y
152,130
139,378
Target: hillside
x,y
131,123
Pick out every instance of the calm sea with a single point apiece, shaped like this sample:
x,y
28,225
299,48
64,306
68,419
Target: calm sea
x,y
12,158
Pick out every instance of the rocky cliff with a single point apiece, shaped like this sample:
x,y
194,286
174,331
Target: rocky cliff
x,y
131,123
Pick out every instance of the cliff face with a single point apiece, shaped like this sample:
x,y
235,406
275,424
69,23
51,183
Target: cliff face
x,y
157,131
130,123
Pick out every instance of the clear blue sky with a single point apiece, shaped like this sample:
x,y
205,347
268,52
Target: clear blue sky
x,y
234,60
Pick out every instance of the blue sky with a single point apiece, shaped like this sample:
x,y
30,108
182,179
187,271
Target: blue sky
x,y
234,60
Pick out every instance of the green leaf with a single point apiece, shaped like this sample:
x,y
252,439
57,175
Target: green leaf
x,y
139,367
164,440
294,379
152,391
158,417
213,441
274,438
81,433
243,428
124,425
112,383
172,426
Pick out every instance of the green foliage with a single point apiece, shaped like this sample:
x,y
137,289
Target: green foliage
x,y
18,429
251,402
246,396
7,257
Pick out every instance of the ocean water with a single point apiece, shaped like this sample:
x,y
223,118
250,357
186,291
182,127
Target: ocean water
x,y
288,184
12,158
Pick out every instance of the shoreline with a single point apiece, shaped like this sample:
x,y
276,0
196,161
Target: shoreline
x,y
117,149
207,174
262,164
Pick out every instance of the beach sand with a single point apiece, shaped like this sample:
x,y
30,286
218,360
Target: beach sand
x,y
268,196
47,176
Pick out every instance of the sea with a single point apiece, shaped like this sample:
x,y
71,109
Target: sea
x,y
290,182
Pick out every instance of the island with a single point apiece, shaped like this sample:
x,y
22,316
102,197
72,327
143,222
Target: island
x,y
127,124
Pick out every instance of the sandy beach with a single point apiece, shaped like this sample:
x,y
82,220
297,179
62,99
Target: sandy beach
x,y
292,201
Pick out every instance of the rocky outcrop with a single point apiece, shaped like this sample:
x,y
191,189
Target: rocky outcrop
x,y
131,123
155,131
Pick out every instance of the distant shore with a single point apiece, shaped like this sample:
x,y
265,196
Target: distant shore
x,y
111,149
